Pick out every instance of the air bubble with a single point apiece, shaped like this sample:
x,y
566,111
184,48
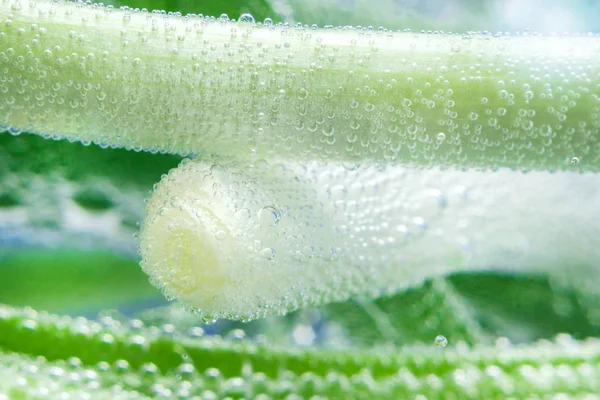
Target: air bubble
x,y
328,130
247,18
302,94
441,341
545,130
267,253
14,131
269,216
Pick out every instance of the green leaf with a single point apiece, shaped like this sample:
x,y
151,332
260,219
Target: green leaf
x,y
77,164
474,308
160,363
73,196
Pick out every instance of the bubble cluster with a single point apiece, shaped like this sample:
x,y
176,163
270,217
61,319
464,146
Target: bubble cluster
x,y
168,366
246,90
35,378
246,241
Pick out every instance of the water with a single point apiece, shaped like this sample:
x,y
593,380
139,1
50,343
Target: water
x,y
519,248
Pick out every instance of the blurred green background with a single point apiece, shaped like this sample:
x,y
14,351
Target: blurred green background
x,y
68,212
51,263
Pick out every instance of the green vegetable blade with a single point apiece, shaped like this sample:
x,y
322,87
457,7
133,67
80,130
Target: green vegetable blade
x,y
141,361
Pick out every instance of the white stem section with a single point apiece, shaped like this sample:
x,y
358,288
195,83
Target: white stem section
x,y
270,238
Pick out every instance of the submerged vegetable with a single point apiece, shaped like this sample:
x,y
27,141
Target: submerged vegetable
x,y
241,242
313,134
78,356
310,199
244,91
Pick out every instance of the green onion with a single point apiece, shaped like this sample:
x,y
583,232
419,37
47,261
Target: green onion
x,y
150,361
245,91
244,242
